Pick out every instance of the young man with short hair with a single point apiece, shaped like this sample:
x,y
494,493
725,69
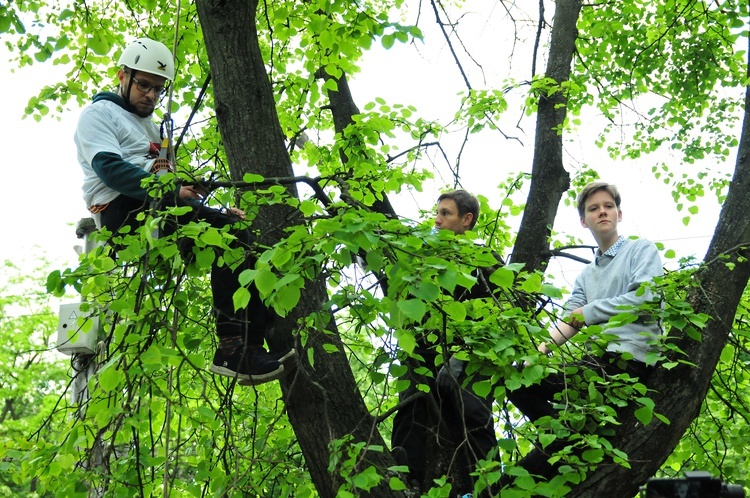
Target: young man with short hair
x,y
457,211
607,287
461,409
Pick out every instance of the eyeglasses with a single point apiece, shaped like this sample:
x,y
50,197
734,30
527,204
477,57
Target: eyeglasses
x,y
145,87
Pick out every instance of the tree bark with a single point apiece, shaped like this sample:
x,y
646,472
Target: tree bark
x,y
549,180
322,398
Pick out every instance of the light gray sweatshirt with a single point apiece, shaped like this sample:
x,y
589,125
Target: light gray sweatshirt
x,y
610,283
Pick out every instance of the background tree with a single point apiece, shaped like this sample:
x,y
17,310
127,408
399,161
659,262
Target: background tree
x,y
270,67
31,376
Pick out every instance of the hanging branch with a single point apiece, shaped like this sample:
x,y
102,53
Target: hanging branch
x,y
313,183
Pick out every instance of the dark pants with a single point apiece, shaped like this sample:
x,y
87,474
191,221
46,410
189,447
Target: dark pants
x,y
467,416
535,401
250,322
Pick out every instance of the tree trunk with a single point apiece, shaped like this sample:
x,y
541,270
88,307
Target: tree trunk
x,y
322,398
549,180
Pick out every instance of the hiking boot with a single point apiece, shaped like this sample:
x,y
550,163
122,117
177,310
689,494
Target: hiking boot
x,y
250,366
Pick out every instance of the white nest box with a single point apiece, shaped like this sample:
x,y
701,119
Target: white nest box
x,y
77,330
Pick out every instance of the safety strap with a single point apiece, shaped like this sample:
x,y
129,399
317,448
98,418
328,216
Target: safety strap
x,y
171,155
168,124
98,208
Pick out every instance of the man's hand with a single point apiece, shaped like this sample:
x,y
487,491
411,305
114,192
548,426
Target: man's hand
x,y
239,213
562,331
192,192
575,319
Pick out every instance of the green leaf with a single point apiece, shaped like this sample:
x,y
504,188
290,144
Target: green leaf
x,y
311,357
367,479
644,414
252,177
532,373
265,280
309,208
286,299
204,258
448,280
502,277
406,340
551,291
55,283
426,291
546,439
396,484
109,378
387,41
99,44
211,237
593,455
414,309
241,298
507,445
455,310
482,388
532,283
247,276
375,260
331,85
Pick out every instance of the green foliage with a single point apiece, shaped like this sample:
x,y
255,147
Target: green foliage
x,y
32,374
159,332
155,419
717,438
675,72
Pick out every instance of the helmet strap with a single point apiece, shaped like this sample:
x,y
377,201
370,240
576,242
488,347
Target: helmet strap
x,y
127,90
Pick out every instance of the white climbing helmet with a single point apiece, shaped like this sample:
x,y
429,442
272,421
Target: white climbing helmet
x,y
149,56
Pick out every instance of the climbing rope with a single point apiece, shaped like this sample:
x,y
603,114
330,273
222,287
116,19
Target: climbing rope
x,y
168,123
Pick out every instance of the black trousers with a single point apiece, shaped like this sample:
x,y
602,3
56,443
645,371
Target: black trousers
x,y
459,408
250,322
535,401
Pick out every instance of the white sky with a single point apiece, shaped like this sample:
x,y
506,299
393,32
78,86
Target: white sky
x,y
42,177
42,180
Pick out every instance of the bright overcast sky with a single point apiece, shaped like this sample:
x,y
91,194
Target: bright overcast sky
x,y
42,176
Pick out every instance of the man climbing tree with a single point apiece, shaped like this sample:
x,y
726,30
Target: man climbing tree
x,y
119,149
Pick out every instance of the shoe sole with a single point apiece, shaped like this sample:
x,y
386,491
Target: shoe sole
x,y
226,372
290,355
245,379
254,380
